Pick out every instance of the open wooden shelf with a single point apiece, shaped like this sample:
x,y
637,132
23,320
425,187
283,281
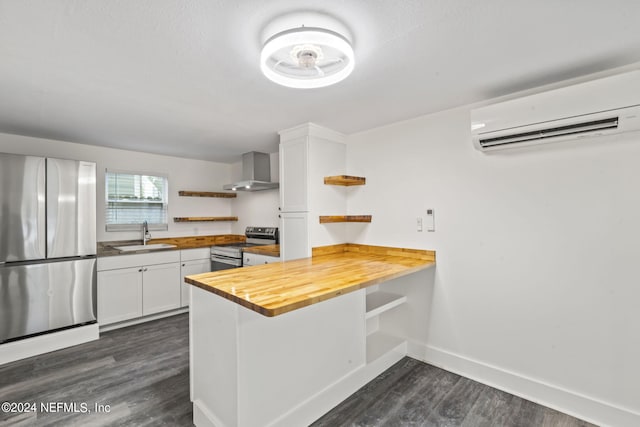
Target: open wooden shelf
x,y
345,218
204,218
345,180
207,194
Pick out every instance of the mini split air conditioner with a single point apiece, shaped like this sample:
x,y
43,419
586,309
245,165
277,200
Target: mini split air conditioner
x,y
596,108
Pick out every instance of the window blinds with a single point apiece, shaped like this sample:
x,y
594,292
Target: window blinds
x,y
132,198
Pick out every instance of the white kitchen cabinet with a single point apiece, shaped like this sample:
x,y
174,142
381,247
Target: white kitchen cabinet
x,y
294,236
257,259
132,286
192,261
119,295
308,153
160,288
294,196
187,268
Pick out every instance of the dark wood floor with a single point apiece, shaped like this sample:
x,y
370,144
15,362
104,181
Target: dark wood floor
x,y
412,393
142,372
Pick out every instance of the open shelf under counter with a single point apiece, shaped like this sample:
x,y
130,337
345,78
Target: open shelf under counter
x,y
204,218
327,219
379,302
380,344
345,180
187,193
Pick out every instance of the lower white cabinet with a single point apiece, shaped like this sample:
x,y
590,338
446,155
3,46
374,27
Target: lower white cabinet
x,y
294,235
131,286
192,261
119,295
256,259
188,268
160,288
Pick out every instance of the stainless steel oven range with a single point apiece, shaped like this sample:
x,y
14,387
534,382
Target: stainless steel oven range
x,y
224,257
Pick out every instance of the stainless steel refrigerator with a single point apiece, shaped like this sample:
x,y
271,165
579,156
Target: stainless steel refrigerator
x,y
47,245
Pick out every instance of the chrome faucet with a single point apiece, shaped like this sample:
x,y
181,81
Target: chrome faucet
x,y
146,236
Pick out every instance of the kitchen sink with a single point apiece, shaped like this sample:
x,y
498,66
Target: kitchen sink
x,y
151,247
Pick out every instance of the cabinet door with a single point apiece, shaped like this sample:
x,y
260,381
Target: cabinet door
x,y
270,259
248,260
188,268
119,295
256,259
293,175
294,236
160,288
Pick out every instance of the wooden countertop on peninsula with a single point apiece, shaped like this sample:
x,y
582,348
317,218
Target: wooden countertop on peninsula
x,y
280,287
268,250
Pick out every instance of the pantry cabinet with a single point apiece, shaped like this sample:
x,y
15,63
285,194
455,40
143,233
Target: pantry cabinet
x,y
308,154
294,157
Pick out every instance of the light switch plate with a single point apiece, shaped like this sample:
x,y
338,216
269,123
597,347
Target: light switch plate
x,y
419,223
430,220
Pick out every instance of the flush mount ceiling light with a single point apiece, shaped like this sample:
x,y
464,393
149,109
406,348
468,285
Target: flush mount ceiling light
x,y
307,57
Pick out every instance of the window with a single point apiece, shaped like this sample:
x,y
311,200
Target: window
x,y
133,198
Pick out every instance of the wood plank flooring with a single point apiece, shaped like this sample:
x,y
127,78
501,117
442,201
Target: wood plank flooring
x,y
412,393
142,372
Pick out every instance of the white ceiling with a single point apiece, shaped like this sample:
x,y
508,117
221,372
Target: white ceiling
x,y
182,78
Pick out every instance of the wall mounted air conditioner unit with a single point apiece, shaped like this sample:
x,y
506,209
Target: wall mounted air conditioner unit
x,y
596,108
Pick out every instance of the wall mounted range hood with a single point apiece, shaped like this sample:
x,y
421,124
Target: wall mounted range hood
x,y
256,173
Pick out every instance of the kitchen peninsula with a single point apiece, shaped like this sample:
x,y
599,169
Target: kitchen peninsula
x,y
281,344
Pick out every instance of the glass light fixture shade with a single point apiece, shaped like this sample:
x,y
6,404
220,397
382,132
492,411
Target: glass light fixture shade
x,y
307,58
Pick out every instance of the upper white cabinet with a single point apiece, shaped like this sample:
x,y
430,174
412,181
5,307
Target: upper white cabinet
x,y
294,195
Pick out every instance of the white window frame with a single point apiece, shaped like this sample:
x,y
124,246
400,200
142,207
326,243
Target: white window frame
x,y
138,225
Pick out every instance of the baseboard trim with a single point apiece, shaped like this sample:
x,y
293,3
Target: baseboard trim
x,y
138,320
575,404
28,347
315,406
326,399
202,417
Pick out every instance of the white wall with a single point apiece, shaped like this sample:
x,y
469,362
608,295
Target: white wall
x,y
184,174
537,250
255,208
326,158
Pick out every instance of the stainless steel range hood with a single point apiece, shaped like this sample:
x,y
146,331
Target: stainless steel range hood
x,y
256,173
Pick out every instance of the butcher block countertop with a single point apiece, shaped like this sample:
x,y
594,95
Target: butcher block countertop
x,y
189,242
268,250
193,242
274,289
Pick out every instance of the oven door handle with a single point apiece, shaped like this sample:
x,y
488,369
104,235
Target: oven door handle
x,y
228,261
